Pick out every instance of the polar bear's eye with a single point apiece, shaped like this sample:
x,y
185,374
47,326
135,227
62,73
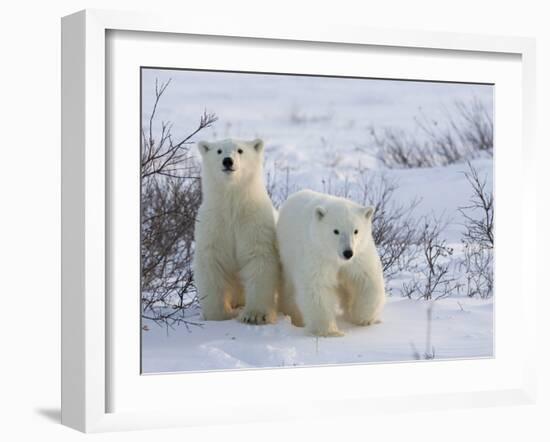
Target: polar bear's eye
x,y
240,151
336,232
356,232
219,151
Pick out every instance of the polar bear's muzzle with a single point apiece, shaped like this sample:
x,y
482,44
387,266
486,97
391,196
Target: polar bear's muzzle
x,y
228,164
346,247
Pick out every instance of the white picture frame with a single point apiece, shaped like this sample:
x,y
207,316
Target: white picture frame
x,y
86,205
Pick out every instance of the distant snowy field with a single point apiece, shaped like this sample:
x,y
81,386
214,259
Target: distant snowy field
x,y
318,131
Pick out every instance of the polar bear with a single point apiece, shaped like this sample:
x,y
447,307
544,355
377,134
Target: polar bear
x,y
236,261
329,260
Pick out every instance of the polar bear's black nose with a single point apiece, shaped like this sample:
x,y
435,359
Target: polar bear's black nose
x,y
348,254
227,162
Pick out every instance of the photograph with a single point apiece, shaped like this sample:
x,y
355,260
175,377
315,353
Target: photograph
x,y
292,220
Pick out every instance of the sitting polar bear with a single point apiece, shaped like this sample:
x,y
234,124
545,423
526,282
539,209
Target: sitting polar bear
x,y
328,257
236,261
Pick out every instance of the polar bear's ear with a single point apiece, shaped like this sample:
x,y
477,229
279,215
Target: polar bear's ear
x,y
258,144
368,212
320,212
204,147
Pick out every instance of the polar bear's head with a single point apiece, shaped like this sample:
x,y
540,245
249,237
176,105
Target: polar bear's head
x,y
231,161
342,227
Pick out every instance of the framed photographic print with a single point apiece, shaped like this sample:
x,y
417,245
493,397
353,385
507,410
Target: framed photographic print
x,y
420,153
252,214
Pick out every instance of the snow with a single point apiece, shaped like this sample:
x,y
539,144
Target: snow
x,y
308,123
459,328
318,131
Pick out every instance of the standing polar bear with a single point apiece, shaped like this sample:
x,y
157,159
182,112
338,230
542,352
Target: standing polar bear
x,y
328,257
236,261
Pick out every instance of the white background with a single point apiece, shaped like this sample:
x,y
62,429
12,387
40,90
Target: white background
x,y
30,230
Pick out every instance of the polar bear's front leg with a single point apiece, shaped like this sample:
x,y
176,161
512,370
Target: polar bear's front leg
x,y
317,303
366,298
287,301
260,277
212,289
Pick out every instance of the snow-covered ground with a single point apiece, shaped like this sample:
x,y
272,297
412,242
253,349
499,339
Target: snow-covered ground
x,y
318,133
460,328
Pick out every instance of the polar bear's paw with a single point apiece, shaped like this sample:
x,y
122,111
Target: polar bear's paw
x,y
256,317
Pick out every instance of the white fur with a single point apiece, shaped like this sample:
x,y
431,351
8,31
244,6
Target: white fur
x,y
317,277
236,261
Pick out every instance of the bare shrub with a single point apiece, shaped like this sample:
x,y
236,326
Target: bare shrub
x,y
437,280
437,275
476,129
467,133
478,267
393,226
479,214
170,198
410,288
160,154
398,150
278,184
169,208
478,239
